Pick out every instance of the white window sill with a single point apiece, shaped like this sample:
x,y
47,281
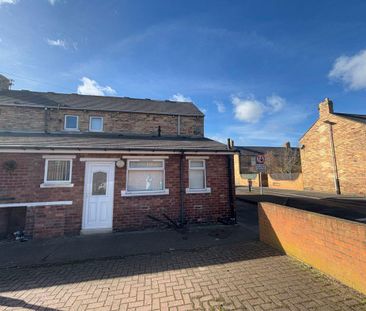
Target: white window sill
x,y
51,185
143,193
193,191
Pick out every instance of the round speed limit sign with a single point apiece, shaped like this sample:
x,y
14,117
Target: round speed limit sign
x,y
260,159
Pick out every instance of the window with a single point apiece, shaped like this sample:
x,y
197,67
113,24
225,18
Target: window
x,y
96,124
145,177
58,171
99,184
71,123
197,177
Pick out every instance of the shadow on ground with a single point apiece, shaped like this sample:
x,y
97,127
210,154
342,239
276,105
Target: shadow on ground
x,y
15,279
19,303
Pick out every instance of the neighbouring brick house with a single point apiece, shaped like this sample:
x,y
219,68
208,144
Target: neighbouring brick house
x,y
74,163
283,168
333,153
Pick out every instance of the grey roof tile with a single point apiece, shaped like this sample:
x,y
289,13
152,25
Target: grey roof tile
x,y
102,103
254,150
107,142
355,117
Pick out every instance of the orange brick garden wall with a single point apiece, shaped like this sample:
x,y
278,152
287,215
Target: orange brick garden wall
x,y
334,246
291,184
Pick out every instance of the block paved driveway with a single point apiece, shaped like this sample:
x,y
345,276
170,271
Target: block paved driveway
x,y
238,276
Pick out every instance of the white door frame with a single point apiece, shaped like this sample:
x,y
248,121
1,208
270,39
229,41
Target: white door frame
x,y
88,165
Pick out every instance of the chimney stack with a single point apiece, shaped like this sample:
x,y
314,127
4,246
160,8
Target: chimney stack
x,y
5,83
325,107
230,144
287,145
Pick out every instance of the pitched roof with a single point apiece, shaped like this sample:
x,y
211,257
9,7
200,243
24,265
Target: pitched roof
x,y
355,117
254,150
102,103
107,142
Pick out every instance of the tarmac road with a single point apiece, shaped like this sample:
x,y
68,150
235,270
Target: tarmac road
x,y
346,207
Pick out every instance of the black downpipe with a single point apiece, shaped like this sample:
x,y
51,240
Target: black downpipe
x,y
231,188
181,180
45,120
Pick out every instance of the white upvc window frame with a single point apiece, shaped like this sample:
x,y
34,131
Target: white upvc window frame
x,y
90,124
205,189
130,193
77,123
57,183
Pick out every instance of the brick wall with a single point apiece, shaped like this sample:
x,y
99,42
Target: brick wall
x,y
16,118
21,118
46,221
291,184
23,185
334,246
350,149
132,212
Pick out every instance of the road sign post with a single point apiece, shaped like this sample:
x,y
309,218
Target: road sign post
x,y
261,168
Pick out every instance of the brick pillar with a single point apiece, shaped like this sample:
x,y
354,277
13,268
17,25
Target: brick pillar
x,y
45,221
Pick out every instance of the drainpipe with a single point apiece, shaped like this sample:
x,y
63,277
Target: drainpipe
x,y
334,160
230,146
45,120
178,125
231,188
181,181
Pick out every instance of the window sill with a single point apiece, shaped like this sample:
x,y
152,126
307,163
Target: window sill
x,y
50,185
143,193
193,191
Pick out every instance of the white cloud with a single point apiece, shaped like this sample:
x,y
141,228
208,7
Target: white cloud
x,y
248,110
8,2
58,42
273,130
91,87
350,70
220,107
275,103
180,98
204,110
251,110
53,2
218,137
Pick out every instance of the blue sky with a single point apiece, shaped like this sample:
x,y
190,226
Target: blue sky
x,y
257,69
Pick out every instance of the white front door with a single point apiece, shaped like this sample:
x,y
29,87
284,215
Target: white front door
x,y
98,196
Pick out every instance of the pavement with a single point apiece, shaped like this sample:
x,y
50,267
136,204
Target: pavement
x,y
341,206
120,245
206,268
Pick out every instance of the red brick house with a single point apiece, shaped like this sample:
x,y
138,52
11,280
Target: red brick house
x,y
72,164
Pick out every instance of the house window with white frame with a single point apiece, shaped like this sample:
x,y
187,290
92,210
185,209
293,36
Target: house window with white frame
x,y
145,177
96,124
71,123
197,177
58,171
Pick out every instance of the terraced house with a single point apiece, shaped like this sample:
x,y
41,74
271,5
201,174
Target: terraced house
x,y
72,164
